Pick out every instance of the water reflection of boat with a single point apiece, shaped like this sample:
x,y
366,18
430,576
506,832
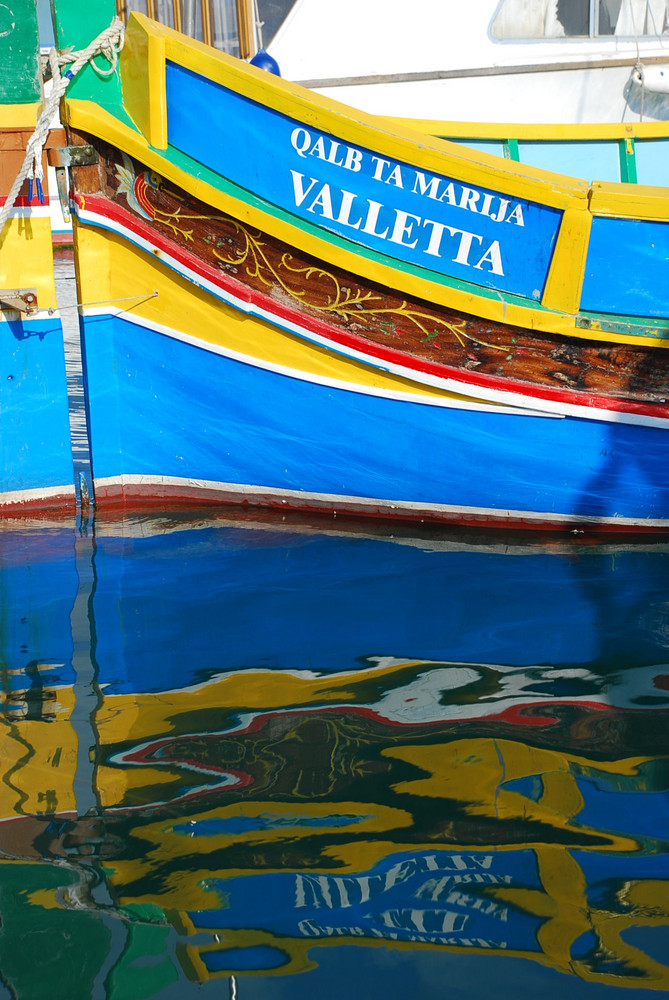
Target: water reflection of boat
x,y
269,812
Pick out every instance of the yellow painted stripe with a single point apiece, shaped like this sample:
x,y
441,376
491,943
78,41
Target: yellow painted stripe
x,y
111,268
594,132
19,115
26,258
144,57
630,201
565,278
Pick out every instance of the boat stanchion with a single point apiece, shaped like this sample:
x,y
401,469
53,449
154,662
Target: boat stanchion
x,y
63,157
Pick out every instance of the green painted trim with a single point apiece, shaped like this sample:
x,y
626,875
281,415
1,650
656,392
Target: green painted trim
x,y
76,24
20,80
511,152
627,159
629,326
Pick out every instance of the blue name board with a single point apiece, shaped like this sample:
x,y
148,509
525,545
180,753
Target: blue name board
x,y
430,220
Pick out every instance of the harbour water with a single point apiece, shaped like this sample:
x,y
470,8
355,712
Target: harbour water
x,y
259,756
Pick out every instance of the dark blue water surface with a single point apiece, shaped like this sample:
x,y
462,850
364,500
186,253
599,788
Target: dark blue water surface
x,y
256,757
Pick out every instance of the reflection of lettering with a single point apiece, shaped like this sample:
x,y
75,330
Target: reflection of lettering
x,y
333,892
395,225
337,891
436,888
310,928
424,921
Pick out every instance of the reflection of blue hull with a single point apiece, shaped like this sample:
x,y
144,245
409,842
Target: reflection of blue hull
x,y
166,414
35,451
189,605
38,587
462,899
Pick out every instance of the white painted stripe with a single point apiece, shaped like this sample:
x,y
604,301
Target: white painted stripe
x,y
544,407
41,493
39,318
332,500
331,383
30,212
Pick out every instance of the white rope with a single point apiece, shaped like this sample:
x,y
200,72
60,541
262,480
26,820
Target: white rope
x,y
108,44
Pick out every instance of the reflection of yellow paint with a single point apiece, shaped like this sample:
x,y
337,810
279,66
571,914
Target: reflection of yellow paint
x,y
145,716
39,758
285,822
46,898
477,773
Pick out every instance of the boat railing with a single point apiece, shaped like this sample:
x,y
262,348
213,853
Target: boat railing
x,y
227,25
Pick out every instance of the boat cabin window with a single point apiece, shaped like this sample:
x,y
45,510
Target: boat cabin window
x,y
225,24
516,20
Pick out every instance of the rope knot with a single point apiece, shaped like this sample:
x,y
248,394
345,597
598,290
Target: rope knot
x,y
107,44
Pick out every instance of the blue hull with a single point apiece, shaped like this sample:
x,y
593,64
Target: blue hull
x,y
35,448
172,415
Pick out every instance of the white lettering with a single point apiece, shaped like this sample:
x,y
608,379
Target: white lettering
x,y
428,188
435,237
372,218
323,200
300,140
318,149
503,205
469,198
298,187
353,159
485,207
344,216
332,155
493,257
378,169
395,176
465,245
403,228
449,194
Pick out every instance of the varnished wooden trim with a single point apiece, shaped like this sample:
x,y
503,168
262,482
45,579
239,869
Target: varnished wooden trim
x,y
245,28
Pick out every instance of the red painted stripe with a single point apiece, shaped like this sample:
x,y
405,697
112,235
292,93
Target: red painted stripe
x,y
162,495
108,209
58,503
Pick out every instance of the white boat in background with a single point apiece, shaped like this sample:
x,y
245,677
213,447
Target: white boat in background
x,y
552,61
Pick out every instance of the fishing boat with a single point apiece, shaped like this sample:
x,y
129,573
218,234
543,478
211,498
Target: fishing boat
x,y
35,451
299,305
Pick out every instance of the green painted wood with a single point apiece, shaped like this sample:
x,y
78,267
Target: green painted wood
x,y
510,147
627,157
19,53
76,24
